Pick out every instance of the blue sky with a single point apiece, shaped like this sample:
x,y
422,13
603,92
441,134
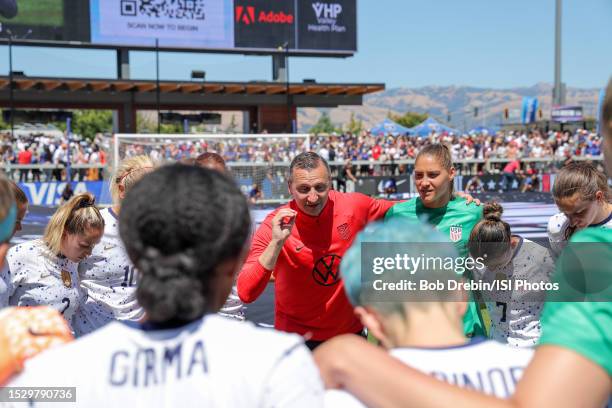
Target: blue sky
x,y
406,43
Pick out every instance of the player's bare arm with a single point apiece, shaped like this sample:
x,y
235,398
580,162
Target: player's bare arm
x,y
378,380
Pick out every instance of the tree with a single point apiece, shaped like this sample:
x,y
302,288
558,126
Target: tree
x,y
323,125
408,119
170,128
89,122
354,126
145,123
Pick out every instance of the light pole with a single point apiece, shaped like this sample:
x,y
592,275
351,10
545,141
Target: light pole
x,y
11,91
285,48
157,94
11,96
558,94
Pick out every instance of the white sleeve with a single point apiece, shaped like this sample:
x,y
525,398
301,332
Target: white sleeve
x,y
557,225
341,399
6,286
294,381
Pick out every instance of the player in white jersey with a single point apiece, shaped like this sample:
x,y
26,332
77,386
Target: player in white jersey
x,y
582,194
422,328
518,271
44,271
108,276
8,217
21,207
185,228
24,331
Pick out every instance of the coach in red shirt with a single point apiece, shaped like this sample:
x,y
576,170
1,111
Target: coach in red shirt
x,y
303,243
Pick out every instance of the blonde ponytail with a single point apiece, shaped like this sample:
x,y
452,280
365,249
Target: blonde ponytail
x,y
74,217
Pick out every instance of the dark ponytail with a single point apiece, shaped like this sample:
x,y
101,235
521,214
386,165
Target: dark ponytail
x,y
491,236
179,223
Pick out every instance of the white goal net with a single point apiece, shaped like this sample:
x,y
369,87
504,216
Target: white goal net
x,y
258,162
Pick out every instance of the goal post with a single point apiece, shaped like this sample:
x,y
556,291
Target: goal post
x,y
257,161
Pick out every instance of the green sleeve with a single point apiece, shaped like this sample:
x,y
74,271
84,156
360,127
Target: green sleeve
x,y
584,327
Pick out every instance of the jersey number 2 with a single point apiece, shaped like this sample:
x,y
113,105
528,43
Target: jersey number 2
x,y
67,302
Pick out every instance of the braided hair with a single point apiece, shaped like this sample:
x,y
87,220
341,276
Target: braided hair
x,y
179,223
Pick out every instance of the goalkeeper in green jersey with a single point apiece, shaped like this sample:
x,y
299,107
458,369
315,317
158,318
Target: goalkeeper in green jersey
x,y
434,175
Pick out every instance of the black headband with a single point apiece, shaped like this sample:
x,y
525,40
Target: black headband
x,y
86,203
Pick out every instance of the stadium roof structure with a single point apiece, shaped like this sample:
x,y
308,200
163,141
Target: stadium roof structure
x,y
269,103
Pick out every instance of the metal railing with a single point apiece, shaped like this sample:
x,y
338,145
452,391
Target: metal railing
x,y
50,171
362,167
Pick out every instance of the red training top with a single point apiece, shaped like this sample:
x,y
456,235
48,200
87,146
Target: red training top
x,y
24,157
310,295
513,166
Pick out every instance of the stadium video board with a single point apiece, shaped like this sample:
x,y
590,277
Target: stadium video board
x,y
316,27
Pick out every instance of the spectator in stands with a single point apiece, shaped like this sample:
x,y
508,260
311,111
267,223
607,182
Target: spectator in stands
x,y
46,157
530,181
345,173
36,171
24,158
509,174
255,193
474,185
59,158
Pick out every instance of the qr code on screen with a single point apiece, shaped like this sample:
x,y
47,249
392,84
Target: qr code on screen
x,y
179,9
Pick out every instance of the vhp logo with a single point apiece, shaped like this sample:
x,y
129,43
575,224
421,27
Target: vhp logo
x,y
325,10
246,15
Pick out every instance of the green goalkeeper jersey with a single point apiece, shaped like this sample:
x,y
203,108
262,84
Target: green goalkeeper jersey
x,y
583,326
456,220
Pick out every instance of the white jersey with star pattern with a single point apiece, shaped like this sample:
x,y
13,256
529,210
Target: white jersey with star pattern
x,y
37,277
109,279
515,316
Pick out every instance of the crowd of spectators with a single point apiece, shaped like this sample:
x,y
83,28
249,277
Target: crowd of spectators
x,y
505,146
54,150
502,145
245,150
381,152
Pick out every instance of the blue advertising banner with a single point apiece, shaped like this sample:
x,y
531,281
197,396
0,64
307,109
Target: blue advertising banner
x,y
50,193
529,109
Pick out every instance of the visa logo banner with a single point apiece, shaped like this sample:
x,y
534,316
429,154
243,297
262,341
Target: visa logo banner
x,y
50,193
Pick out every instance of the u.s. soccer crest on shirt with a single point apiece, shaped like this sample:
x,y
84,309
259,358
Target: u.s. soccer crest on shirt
x,y
456,231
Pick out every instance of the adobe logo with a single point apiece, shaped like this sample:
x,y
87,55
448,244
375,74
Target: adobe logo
x,y
246,15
